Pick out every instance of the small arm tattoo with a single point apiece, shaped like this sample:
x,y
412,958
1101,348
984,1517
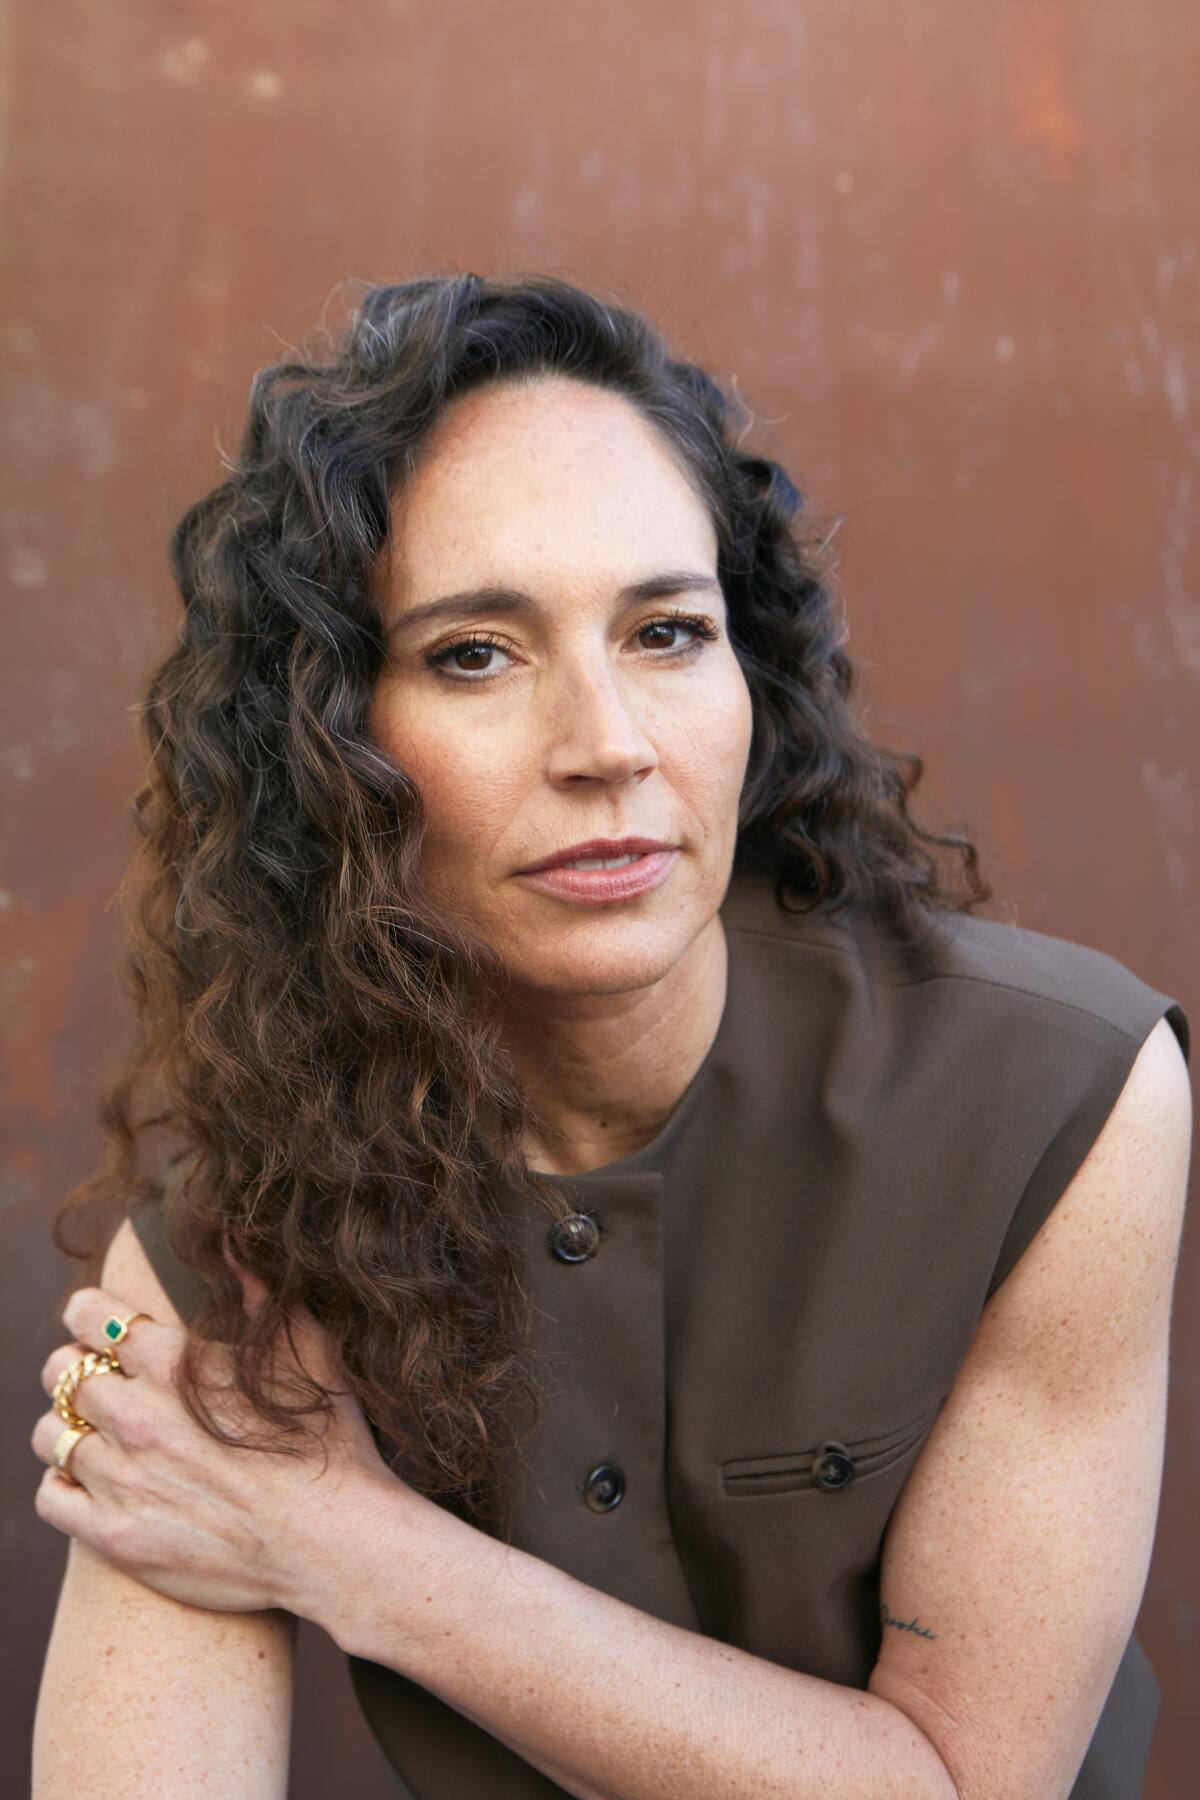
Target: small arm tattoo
x,y
904,1624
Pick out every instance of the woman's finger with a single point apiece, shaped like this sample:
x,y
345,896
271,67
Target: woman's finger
x,y
46,1433
88,1454
99,1397
58,1362
66,1504
90,1309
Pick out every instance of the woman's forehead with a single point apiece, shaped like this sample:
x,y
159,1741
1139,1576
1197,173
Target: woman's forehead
x,y
546,435
575,481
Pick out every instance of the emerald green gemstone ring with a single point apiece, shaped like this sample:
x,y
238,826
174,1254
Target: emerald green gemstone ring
x,y
115,1330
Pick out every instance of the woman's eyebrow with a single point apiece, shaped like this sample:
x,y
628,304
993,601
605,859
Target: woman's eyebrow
x,y
475,601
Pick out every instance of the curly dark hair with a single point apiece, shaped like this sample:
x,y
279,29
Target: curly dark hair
x,y
315,1037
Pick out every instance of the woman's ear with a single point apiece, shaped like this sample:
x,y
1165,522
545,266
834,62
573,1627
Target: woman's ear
x,y
308,1336
254,1291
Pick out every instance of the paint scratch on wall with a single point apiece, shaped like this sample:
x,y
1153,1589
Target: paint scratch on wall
x,y
1182,605
1040,109
264,84
918,352
186,62
27,567
1172,811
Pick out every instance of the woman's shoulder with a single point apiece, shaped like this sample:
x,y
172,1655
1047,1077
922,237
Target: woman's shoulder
x,y
984,968
1057,975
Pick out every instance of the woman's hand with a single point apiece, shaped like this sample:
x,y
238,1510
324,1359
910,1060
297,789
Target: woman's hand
x,y
210,1524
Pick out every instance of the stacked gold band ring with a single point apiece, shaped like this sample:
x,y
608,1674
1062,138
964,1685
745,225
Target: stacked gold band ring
x,y
93,1362
64,1445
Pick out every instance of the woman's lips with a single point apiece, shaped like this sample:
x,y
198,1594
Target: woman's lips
x,y
601,887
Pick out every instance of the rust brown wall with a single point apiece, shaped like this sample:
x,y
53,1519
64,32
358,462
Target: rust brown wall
x,y
953,252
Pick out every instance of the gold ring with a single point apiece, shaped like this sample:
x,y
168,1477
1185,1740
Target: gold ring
x,y
64,1445
94,1362
116,1329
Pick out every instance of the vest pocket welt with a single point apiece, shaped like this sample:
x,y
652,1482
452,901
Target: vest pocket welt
x,y
833,1464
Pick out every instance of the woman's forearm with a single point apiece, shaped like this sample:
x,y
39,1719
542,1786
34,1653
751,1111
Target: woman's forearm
x,y
142,1695
609,1702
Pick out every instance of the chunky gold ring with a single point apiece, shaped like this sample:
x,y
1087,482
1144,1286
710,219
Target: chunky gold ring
x,y
93,1362
64,1445
116,1329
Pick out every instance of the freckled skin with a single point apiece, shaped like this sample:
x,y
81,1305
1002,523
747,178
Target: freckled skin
x,y
589,721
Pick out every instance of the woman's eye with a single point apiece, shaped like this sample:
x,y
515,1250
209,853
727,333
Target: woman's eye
x,y
466,658
697,629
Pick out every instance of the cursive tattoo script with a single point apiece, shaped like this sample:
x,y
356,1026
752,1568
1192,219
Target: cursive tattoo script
x,y
904,1624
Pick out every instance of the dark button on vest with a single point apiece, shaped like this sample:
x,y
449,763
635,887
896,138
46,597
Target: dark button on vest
x,y
576,1238
833,1466
604,1486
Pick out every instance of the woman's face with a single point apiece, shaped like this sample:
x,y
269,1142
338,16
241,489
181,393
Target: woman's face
x,y
576,681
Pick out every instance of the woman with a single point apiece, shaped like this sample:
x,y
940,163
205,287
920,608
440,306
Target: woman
x,y
558,1005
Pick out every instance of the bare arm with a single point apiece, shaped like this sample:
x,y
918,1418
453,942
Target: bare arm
x,y
141,1694
1022,1538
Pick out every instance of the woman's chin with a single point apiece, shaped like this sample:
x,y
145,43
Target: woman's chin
x,y
613,959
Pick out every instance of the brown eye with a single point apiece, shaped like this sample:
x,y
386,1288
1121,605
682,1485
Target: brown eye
x,y
661,627
666,628
449,659
480,653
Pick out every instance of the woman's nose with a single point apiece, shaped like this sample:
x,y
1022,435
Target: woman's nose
x,y
596,733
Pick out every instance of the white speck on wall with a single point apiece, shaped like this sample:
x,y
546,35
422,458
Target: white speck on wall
x,y
1168,262
1149,652
210,285
1006,349
1175,383
27,568
6,900
1150,334
17,760
88,430
60,732
264,84
1135,381
186,62
843,181
20,338
756,217
1173,813
910,359
1182,604
526,205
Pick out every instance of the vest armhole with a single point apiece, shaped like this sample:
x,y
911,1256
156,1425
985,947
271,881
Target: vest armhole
x,y
1068,1149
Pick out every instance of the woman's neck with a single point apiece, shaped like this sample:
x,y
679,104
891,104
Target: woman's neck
x,y
605,1072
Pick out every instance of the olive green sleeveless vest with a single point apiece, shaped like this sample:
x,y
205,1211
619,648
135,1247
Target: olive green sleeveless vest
x,y
753,1324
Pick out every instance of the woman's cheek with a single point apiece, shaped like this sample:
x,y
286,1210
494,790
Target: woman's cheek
x,y
473,795
714,737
